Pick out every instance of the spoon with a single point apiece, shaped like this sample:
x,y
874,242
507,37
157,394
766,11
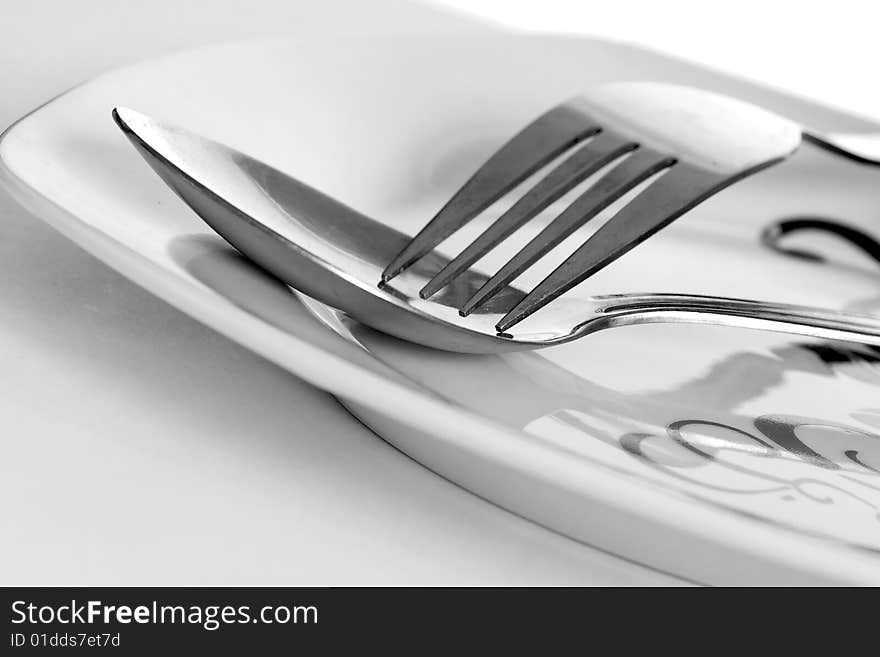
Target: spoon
x,y
334,254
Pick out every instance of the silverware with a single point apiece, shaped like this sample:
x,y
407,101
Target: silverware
x,y
862,147
335,254
689,143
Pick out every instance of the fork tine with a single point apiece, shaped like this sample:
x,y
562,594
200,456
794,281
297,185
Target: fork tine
x,y
605,148
637,168
680,189
545,138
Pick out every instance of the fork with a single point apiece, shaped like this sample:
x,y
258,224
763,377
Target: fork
x,y
334,254
682,144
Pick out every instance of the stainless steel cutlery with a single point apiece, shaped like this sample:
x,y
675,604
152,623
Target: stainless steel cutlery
x,y
334,254
689,143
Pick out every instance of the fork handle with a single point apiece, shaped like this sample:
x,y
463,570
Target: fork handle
x,y
785,318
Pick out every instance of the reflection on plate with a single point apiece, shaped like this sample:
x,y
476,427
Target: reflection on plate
x,y
723,455
782,432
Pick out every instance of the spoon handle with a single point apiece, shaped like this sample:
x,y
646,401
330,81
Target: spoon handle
x,y
860,147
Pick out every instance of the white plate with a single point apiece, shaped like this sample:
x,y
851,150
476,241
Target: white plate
x,y
643,440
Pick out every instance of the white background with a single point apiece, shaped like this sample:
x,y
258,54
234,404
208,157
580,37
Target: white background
x,y
824,49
